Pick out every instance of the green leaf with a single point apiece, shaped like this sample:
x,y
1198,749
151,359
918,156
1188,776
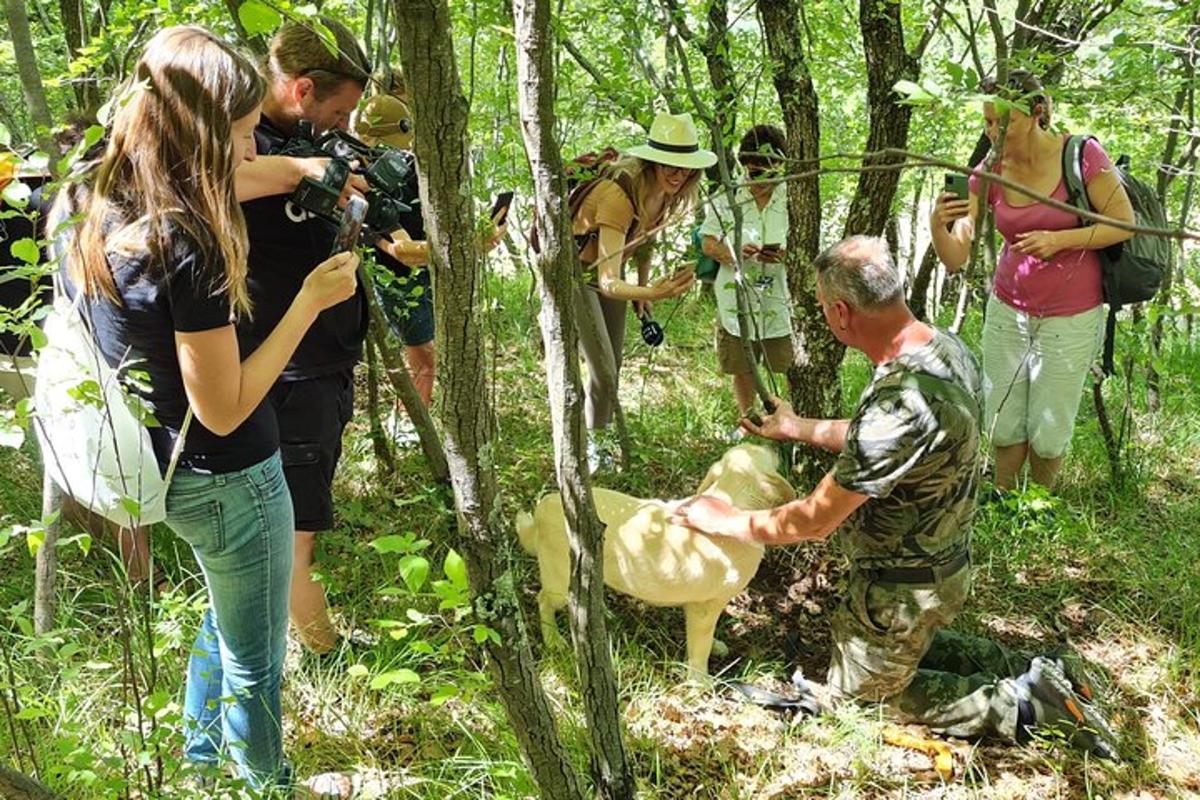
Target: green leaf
x,y
914,93
31,712
34,539
400,676
11,433
5,136
357,671
132,507
258,18
394,543
443,693
455,569
17,194
26,250
414,570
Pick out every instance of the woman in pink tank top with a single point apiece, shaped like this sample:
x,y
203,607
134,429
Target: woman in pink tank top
x,y
1043,319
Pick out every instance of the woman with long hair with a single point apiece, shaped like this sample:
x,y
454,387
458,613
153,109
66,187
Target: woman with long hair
x,y
620,216
160,256
1044,317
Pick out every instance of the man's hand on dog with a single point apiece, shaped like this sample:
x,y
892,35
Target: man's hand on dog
x,y
711,515
782,424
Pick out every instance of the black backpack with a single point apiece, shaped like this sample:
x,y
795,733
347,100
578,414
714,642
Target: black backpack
x,y
1133,270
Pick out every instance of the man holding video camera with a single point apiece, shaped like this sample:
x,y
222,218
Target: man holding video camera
x,y
310,90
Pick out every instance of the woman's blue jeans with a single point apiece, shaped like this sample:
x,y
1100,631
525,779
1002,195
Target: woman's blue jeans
x,y
239,525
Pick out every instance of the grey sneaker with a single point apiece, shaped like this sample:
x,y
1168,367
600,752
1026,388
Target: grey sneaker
x,y
1046,700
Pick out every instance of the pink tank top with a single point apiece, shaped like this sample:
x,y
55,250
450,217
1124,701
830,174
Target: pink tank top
x,y
1069,282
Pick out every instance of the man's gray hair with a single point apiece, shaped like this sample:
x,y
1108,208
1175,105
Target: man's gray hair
x,y
860,272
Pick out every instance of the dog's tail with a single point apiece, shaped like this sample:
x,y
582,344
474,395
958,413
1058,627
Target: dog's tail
x,y
527,532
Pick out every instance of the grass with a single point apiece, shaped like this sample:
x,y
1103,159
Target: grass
x,y
1113,568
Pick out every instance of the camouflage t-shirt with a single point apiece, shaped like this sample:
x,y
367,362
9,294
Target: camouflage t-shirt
x,y
913,448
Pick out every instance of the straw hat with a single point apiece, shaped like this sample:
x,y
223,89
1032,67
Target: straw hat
x,y
673,141
386,119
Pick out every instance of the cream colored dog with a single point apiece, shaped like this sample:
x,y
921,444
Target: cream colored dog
x,y
648,557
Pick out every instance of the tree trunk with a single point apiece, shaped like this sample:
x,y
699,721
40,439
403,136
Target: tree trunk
x,y
397,372
813,379
918,293
443,165
558,266
379,440
15,786
31,79
45,573
887,62
75,30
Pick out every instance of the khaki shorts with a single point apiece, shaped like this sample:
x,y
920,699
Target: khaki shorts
x,y
777,353
1034,369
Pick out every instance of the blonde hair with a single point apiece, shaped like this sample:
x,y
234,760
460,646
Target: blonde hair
x,y
168,168
298,51
636,177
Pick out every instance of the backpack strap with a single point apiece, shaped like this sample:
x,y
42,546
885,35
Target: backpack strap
x,y
1072,170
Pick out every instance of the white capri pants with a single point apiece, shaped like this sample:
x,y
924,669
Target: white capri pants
x,y
1033,374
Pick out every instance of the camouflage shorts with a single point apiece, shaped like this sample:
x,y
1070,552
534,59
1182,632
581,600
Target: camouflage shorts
x,y
882,631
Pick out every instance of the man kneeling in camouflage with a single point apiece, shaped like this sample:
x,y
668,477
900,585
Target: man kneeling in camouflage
x,y
903,494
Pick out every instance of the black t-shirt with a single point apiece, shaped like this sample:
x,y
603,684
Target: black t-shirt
x,y
286,243
411,221
157,300
16,290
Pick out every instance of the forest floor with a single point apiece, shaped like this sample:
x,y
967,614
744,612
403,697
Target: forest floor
x,y
1114,569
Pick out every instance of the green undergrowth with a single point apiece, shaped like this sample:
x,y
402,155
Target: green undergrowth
x,y
1110,566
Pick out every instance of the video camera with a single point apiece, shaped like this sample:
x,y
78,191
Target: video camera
x,y
385,169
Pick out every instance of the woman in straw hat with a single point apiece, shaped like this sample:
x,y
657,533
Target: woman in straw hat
x,y
619,217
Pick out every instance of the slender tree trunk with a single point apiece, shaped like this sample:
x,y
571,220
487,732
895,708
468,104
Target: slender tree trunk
x,y
918,293
379,440
397,372
813,379
560,281
1186,96
31,79
45,574
443,164
887,62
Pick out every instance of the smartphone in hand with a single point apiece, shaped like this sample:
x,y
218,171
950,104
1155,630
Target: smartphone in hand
x,y
956,183
503,201
351,227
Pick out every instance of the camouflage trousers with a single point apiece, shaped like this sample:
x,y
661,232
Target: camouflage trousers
x,y
890,645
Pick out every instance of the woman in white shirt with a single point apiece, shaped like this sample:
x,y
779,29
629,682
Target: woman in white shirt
x,y
763,200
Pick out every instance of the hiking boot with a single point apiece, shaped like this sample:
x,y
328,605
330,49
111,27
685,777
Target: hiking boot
x,y
1046,700
1076,670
